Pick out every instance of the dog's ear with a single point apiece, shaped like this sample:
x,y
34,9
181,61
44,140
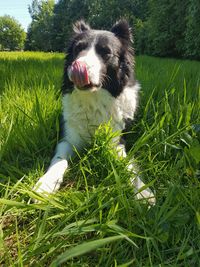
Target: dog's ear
x,y
122,30
80,26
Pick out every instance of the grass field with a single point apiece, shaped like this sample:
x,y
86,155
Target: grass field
x,y
94,220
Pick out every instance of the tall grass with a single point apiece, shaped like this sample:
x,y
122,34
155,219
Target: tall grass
x,y
94,220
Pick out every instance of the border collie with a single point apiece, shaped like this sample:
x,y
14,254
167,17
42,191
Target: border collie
x,y
99,86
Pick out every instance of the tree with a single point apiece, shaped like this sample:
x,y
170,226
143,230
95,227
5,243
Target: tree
x,y
192,34
12,36
166,27
100,14
39,35
65,13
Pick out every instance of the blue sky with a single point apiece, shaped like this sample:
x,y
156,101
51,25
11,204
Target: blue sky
x,y
17,9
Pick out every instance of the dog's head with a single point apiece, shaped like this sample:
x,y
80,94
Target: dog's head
x,y
99,59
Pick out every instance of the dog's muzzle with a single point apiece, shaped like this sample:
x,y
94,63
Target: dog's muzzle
x,y
78,74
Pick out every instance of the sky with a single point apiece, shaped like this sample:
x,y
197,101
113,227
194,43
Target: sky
x,y
17,9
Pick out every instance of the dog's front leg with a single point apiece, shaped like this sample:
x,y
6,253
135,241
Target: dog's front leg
x,y
51,180
146,193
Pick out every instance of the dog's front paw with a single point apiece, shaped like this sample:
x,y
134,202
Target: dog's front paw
x,y
52,179
147,195
142,191
46,184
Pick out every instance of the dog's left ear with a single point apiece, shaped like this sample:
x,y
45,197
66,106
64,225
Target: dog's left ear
x,y
80,26
122,30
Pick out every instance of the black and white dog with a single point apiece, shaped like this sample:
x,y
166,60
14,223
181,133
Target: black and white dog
x,y
99,86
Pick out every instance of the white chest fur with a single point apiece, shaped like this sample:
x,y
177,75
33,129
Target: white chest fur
x,y
84,111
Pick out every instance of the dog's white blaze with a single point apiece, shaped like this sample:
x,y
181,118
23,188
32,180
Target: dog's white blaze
x,y
93,63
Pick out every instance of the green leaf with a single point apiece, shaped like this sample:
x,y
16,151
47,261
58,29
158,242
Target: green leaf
x,y
12,203
195,153
84,248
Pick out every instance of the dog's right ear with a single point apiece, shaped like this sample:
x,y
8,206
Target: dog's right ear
x,y
122,30
80,26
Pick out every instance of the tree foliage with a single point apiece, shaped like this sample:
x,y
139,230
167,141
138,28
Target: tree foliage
x,y
192,34
165,25
39,35
12,36
65,13
160,28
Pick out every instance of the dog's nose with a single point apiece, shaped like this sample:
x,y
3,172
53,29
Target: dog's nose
x,y
78,73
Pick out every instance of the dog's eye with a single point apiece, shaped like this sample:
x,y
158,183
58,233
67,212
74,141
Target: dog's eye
x,y
104,51
80,47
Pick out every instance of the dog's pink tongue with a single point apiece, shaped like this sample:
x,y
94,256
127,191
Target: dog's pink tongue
x,y
78,74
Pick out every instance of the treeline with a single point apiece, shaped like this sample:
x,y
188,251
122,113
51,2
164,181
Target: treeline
x,y
168,28
12,35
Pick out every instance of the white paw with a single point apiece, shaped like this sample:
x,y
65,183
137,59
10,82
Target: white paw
x,y
141,193
47,184
52,179
146,194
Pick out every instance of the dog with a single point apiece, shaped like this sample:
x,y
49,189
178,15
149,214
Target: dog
x,y
98,86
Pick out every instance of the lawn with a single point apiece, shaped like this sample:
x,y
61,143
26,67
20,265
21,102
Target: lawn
x,y
95,220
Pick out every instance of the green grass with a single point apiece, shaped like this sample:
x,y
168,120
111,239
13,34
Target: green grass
x,y
94,220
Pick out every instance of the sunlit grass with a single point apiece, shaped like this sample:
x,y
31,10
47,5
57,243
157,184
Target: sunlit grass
x,y
94,220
